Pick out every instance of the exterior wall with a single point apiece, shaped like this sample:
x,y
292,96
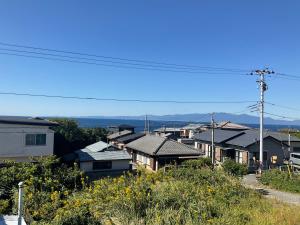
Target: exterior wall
x,y
272,148
295,146
116,165
13,145
145,160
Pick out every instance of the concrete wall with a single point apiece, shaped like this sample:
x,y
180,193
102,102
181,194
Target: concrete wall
x,y
116,165
13,142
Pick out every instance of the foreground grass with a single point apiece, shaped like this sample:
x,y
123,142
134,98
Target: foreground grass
x,y
195,194
281,180
180,196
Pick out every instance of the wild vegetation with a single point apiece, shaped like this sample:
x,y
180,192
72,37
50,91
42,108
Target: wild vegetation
x,y
281,180
58,195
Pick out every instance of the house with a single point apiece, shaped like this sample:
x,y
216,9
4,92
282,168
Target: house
x,y
170,132
122,141
112,138
102,157
242,146
121,127
227,125
292,141
22,138
189,130
154,151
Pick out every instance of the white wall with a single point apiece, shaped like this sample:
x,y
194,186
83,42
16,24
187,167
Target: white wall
x,y
116,165
13,142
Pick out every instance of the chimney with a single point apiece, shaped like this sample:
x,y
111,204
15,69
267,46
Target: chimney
x,y
20,203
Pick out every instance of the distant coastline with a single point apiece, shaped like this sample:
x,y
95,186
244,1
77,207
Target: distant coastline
x,y
139,124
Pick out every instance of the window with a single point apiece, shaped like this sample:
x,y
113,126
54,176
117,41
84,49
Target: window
x,y
35,139
102,165
239,156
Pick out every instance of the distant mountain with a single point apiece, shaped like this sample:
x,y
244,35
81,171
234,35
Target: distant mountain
x,y
199,117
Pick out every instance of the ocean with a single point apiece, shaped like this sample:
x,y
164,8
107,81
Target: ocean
x,y
139,124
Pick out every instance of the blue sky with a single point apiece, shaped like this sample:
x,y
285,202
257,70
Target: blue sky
x,y
231,34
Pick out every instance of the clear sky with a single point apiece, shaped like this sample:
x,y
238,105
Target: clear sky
x,y
232,34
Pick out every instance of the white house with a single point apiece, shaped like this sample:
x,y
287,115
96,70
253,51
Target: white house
x,y
103,157
22,138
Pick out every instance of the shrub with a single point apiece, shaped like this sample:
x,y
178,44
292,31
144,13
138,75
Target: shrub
x,y
198,163
234,168
281,180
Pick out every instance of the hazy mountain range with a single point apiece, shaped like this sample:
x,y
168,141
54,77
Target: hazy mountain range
x,y
199,117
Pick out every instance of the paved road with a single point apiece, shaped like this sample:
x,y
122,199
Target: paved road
x,y
250,181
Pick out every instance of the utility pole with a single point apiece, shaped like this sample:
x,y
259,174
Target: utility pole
x,y
148,125
263,87
289,141
145,129
212,139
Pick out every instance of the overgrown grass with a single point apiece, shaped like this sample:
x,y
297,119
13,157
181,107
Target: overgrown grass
x,y
281,180
185,195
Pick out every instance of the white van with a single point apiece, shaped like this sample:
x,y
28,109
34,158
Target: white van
x,y
295,159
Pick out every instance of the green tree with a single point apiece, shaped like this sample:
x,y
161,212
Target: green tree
x,y
70,137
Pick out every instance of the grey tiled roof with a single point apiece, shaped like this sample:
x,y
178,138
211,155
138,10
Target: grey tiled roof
x,y
252,136
26,121
171,147
283,137
168,129
147,144
157,145
247,138
220,135
130,137
234,126
101,156
193,126
119,134
98,146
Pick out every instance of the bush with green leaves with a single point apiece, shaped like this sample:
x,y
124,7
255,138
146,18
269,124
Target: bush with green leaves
x,y
281,180
198,163
47,184
234,168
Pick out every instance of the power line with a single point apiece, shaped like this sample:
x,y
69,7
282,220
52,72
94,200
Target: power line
x,y
288,75
117,66
281,116
107,61
282,106
123,59
125,100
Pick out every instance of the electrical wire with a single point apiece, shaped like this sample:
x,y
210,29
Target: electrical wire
x,y
280,116
125,100
110,61
122,59
282,106
118,66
